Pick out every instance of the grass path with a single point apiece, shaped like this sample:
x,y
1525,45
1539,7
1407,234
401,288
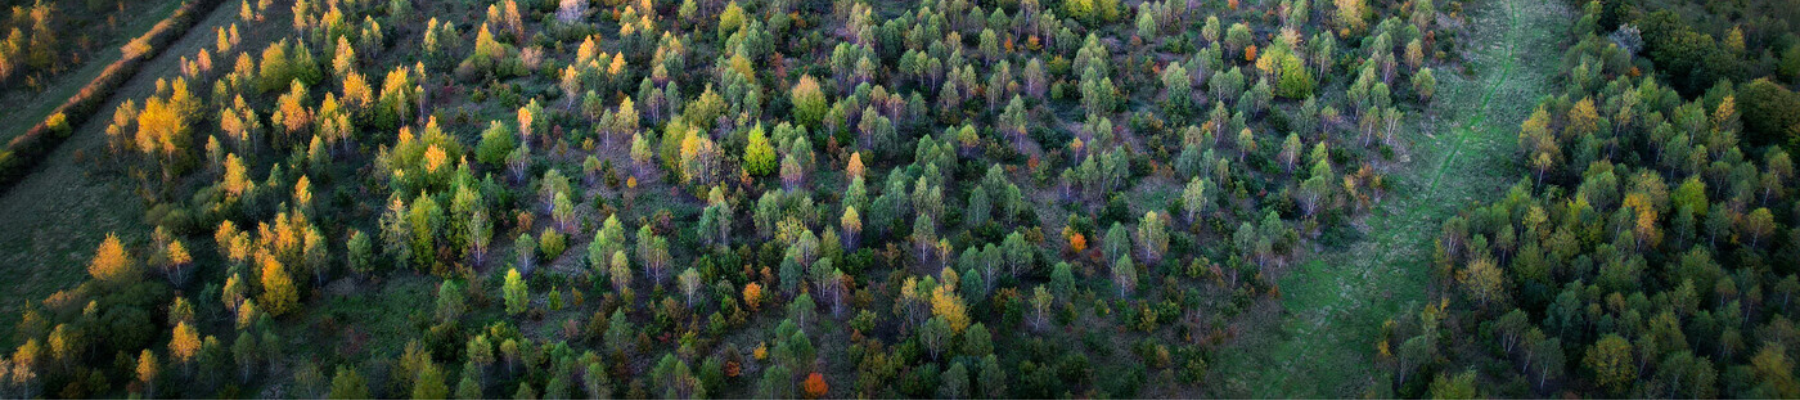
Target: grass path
x,y
1335,305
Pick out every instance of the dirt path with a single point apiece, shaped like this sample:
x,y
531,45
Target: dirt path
x,y
1462,151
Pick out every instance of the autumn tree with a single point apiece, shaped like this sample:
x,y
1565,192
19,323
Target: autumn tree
x,y
814,387
279,292
808,100
184,344
514,292
111,264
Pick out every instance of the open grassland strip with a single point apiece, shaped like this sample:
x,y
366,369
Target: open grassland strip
x,y
1506,71
23,152
1335,304
45,103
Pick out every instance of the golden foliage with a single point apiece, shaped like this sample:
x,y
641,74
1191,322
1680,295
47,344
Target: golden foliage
x,y
279,294
184,344
945,303
753,294
111,264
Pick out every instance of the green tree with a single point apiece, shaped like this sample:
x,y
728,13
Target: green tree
x,y
759,155
430,383
935,335
977,342
1461,386
1153,237
808,100
348,384
1611,360
1425,85
514,292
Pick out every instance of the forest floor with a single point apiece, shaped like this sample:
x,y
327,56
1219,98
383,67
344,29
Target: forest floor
x,y
57,216
1462,151
21,111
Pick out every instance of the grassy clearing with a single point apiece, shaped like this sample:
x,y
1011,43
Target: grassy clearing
x,y
55,217
1461,151
28,110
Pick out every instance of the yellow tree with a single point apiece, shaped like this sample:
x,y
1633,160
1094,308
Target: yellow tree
x,y
1483,280
162,131
179,259
279,294
854,168
946,303
184,344
1350,14
111,264
147,370
1583,119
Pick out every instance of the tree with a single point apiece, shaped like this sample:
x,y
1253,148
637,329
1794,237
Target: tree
x,y
496,143
429,384
979,208
1461,386
450,302
690,284
620,272
147,370
852,224
815,386
935,335
1769,111
1484,281
1350,14
1759,224
759,155
111,264
753,294
947,304
1424,84
1040,306
808,100
514,292
955,382
977,342
525,249
361,256
1153,237
348,384
1611,360
1775,372
1124,275
279,293
184,344
618,332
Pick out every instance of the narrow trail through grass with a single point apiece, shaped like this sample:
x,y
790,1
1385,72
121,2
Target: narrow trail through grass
x,y
1335,304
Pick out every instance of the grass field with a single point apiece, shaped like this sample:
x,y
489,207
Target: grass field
x,y
55,217
22,111
1460,152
